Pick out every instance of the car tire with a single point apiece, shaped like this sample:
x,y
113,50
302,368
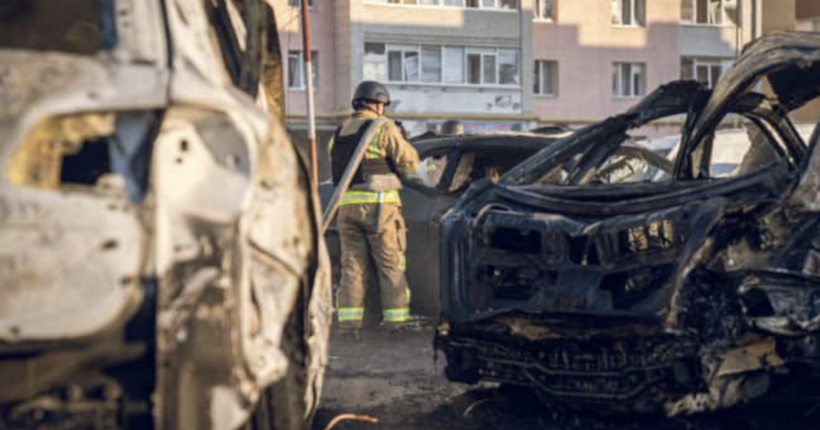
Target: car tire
x,y
282,405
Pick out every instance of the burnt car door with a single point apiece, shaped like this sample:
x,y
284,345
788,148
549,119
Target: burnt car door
x,y
467,161
423,201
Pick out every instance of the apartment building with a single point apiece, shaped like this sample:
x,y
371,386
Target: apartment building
x,y
596,58
514,64
808,15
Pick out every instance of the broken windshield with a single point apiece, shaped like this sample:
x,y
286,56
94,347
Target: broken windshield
x,y
79,26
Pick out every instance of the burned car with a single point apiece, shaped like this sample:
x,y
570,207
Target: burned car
x,y
678,292
160,265
449,165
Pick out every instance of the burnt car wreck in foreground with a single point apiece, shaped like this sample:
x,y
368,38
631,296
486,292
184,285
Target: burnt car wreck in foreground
x,y
161,265
598,282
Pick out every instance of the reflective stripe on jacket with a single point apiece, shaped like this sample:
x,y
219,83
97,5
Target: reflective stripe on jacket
x,y
356,197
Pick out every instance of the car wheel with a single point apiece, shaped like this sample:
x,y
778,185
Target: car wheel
x,y
282,405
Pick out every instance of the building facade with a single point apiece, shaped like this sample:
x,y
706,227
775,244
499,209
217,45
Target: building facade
x,y
515,64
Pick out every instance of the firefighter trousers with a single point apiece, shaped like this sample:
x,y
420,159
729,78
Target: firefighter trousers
x,y
371,234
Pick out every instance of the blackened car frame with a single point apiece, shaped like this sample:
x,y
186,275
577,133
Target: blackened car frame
x,y
679,292
449,166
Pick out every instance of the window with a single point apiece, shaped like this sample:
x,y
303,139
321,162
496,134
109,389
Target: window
x,y
296,69
629,12
707,12
706,71
545,10
375,62
508,67
403,63
809,25
433,64
453,65
629,80
431,170
481,66
298,3
546,78
475,4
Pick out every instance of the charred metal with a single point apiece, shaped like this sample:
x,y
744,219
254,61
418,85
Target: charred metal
x,y
673,286
160,262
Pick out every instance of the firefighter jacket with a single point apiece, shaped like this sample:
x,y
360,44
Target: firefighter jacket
x,y
388,154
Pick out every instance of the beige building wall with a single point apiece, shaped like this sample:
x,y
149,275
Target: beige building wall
x,y
323,23
807,9
586,44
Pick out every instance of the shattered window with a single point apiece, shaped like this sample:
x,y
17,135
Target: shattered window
x,y
104,151
487,164
79,27
434,64
411,66
403,63
375,62
431,170
508,67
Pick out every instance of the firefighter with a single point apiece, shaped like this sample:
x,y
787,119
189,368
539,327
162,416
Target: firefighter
x,y
370,223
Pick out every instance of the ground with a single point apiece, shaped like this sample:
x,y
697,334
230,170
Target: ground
x,y
397,379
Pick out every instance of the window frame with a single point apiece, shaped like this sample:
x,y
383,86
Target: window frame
x,y
725,20
709,63
633,94
403,50
463,4
298,5
540,81
539,17
301,64
635,19
466,51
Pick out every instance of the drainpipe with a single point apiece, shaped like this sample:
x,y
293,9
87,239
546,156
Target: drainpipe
x,y
739,13
306,53
754,19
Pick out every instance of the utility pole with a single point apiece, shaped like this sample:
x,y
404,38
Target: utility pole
x,y
308,73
